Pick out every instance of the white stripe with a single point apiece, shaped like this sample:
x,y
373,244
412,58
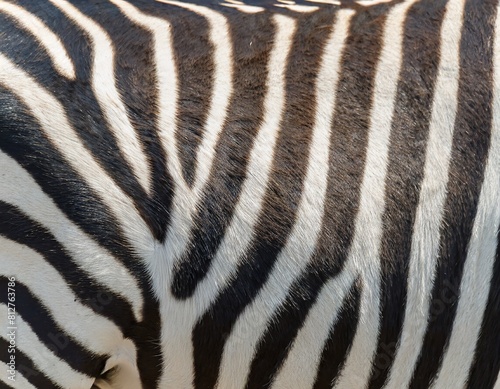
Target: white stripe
x,y
426,235
110,101
166,80
240,232
87,254
497,385
368,3
249,9
54,124
478,269
300,368
19,383
223,78
53,367
50,41
298,7
92,331
364,253
301,243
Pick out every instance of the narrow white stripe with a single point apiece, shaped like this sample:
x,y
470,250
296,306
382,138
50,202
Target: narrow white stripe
x,y
110,101
246,211
333,2
301,243
223,79
368,3
478,270
53,367
426,230
166,80
249,9
298,7
239,234
90,257
364,252
300,368
50,41
54,124
20,382
497,385
92,331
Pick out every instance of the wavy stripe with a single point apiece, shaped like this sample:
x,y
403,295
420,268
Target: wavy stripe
x,y
110,101
242,342
426,235
186,200
239,234
50,41
166,80
222,91
57,129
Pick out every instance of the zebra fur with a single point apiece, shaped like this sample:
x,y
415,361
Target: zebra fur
x,y
260,195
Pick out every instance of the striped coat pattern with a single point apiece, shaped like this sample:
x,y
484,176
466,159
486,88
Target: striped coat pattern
x,y
263,195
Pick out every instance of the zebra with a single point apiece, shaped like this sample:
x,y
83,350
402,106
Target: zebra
x,y
290,194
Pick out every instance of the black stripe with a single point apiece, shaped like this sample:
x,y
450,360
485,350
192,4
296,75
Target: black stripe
x,y
62,345
136,82
82,108
26,367
351,118
19,228
30,55
349,128
339,340
409,132
276,342
21,138
228,173
469,152
486,366
279,205
195,65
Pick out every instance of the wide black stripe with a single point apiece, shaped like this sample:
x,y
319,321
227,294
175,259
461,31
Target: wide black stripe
x,y
62,345
486,366
195,65
409,132
232,152
469,153
339,340
19,228
24,366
